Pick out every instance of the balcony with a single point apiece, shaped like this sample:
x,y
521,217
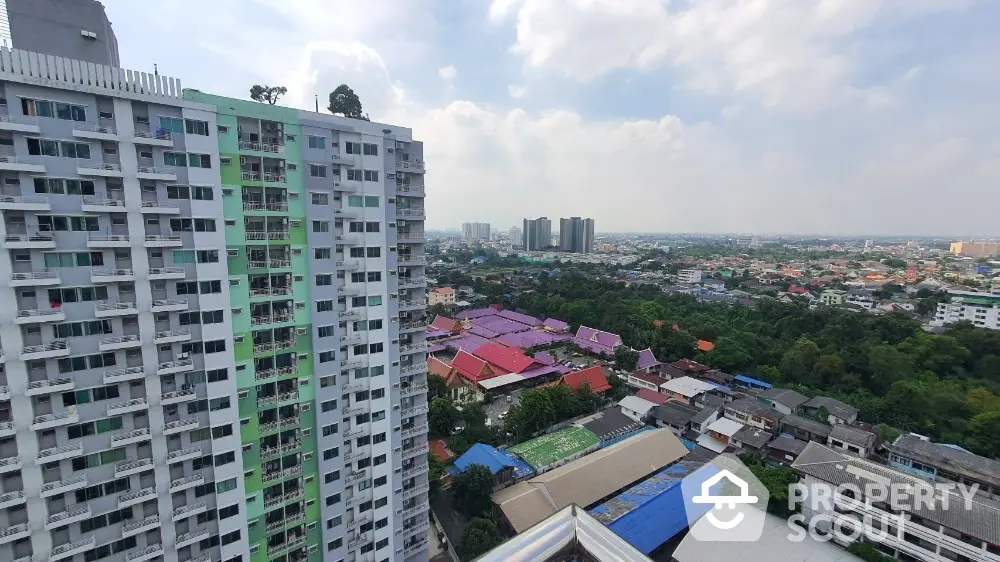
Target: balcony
x,y
127,406
12,499
64,518
415,491
346,240
53,386
63,486
415,470
131,437
138,527
60,453
4,392
280,449
112,309
415,450
358,498
35,279
271,318
182,455
95,132
49,421
103,241
17,532
100,170
24,124
270,291
271,206
345,187
190,510
360,520
359,541
13,164
346,314
163,241
143,554
412,166
70,550
274,178
127,468
112,275
411,305
342,160
350,265
249,176
173,367
40,241
413,411
355,476
356,386
407,190
188,539
25,203
351,339
7,429
267,427
115,376
169,305
177,396
410,214
164,273
346,213
416,368
40,316
410,238
358,453
137,497
255,146
288,521
101,205
412,389
350,410
418,508
287,545
178,426
186,482
153,138
410,327
159,208
413,348
172,336
276,500
153,173
411,261
119,342
412,282
281,474
283,397
273,346
415,547
10,464
414,430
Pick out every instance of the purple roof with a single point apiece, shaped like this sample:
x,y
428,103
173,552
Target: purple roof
x,y
475,313
545,358
556,325
518,317
499,324
563,369
438,333
525,340
436,348
596,340
543,370
481,331
647,359
468,342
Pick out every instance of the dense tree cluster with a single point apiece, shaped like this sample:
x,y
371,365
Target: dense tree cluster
x,y
543,407
942,385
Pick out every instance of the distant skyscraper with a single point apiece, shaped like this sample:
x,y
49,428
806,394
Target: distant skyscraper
x,y
476,230
515,235
576,235
537,234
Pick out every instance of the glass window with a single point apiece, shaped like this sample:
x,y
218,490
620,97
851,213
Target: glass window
x,y
181,257
355,201
317,142
375,300
371,201
317,171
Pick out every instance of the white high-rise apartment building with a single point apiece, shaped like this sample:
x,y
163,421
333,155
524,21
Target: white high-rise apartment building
x,y
476,230
119,428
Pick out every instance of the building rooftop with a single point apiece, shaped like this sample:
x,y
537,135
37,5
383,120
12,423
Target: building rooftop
x,y
832,405
675,413
612,423
753,407
546,450
687,386
652,396
592,376
788,444
853,435
647,359
785,397
982,520
806,424
948,458
753,437
725,426
493,459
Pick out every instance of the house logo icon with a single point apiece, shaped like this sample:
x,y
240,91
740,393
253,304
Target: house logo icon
x,y
724,501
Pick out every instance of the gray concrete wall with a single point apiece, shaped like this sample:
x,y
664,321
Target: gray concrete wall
x,y
54,27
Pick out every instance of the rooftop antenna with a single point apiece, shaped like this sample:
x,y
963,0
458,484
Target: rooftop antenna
x,y
316,97
156,70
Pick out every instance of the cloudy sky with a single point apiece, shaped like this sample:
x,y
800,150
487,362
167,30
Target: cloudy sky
x,y
765,116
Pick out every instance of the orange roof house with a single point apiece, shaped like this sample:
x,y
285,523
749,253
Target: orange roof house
x,y
706,346
472,367
507,359
439,448
593,376
446,324
438,367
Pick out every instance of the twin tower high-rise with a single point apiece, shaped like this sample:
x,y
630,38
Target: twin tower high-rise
x,y
211,322
575,235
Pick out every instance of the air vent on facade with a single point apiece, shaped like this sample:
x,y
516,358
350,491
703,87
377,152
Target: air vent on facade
x,y
238,339
232,252
141,119
227,193
296,251
234,282
226,161
222,129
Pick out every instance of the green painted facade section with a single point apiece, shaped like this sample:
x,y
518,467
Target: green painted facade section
x,y
283,513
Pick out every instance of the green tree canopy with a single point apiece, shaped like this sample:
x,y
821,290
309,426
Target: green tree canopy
x,y
267,94
480,537
473,488
344,101
441,417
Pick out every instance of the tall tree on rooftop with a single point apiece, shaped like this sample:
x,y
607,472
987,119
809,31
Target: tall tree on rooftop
x,y
345,102
267,94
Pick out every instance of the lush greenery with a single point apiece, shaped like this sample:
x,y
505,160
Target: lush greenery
x,y
942,385
867,552
344,101
267,94
480,537
543,407
776,480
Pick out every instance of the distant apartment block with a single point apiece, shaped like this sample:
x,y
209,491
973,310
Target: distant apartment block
x,y
515,235
476,231
576,235
441,295
689,276
981,309
537,234
975,249
75,29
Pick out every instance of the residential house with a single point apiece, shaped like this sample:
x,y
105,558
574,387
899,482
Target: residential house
x,y
783,449
594,377
751,439
804,428
752,412
685,389
782,399
938,461
832,297
719,435
644,380
647,362
852,439
635,407
460,388
838,411
653,396
441,295
597,341
675,415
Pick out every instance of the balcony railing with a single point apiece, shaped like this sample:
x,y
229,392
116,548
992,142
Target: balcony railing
x,y
271,318
188,510
280,449
181,425
280,474
144,553
125,468
134,436
288,521
415,490
287,545
290,496
415,470
273,345
182,454
55,346
60,486
68,549
413,430
152,521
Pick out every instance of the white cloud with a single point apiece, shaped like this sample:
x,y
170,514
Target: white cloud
x,y
517,92
448,73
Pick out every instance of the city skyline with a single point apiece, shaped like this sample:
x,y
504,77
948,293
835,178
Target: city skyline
x,y
853,117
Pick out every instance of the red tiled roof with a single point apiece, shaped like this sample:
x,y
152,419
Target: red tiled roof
x,y
689,365
658,323
440,450
471,367
652,396
510,359
444,290
446,324
438,367
593,376
648,378
703,345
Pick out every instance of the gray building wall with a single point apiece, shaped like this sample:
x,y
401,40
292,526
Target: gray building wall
x,y
55,27
576,235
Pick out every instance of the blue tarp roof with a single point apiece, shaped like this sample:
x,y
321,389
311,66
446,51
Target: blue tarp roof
x,y
493,459
753,382
653,511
